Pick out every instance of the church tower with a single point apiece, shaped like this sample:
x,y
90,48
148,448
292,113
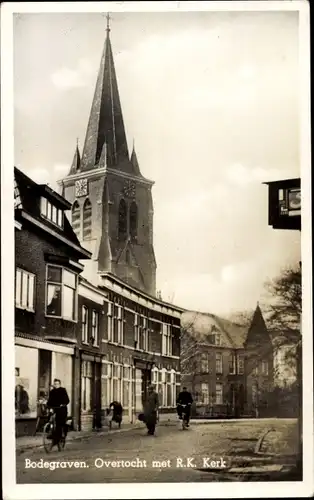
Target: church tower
x,y
112,206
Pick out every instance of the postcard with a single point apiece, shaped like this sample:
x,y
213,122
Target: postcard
x,y
157,306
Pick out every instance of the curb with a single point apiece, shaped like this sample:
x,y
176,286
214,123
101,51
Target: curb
x,y
81,437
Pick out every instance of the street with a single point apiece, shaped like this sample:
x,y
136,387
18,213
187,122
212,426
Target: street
x,y
172,455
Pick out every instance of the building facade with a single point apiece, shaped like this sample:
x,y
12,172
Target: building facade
x,y
226,366
47,255
105,342
126,340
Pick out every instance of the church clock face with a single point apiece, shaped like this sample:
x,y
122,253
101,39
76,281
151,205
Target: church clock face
x,y
81,187
129,189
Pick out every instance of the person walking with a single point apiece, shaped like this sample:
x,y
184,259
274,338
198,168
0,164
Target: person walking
x,y
151,406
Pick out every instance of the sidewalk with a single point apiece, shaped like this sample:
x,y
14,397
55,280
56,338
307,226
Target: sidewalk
x,y
24,443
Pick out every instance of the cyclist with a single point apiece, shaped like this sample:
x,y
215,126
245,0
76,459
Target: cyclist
x,y
184,398
58,401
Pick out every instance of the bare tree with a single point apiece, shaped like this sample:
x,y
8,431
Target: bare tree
x,y
284,312
284,318
190,350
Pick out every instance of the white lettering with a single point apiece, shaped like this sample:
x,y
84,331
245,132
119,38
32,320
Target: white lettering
x,y
99,463
214,464
223,463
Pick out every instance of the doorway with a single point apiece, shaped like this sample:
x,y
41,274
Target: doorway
x,y
97,396
146,381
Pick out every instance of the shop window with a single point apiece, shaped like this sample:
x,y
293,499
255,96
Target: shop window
x,y
61,293
44,373
26,382
24,290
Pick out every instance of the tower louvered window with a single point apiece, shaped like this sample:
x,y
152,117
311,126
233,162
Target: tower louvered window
x,y
122,229
87,220
76,218
133,220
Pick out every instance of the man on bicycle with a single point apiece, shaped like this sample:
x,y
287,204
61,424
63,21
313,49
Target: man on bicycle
x,y
58,401
184,398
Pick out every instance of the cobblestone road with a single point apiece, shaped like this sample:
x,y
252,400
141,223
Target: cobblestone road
x,y
156,459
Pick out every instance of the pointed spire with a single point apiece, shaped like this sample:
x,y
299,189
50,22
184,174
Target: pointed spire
x,y
134,161
258,324
108,23
105,120
76,163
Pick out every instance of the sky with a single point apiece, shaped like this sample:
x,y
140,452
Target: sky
x,y
211,101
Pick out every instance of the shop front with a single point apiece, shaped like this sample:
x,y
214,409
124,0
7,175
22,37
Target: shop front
x,y
36,365
91,392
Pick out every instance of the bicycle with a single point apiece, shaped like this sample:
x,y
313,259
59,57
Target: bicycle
x,y
49,434
185,422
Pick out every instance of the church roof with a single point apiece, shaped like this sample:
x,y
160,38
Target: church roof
x,y
106,123
258,330
200,326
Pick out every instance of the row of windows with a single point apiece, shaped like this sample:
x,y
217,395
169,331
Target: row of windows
x,y
119,379
50,212
61,302
236,364
116,330
205,364
61,292
217,397
127,223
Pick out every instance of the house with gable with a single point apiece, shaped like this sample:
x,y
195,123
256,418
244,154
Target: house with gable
x,y
226,366
47,270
